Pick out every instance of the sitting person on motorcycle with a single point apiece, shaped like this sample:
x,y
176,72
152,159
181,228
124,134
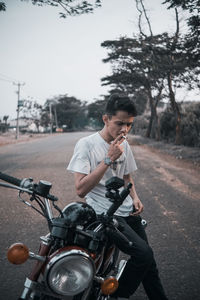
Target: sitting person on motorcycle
x,y
99,157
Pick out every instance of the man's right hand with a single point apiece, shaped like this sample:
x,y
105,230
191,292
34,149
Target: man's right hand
x,y
116,149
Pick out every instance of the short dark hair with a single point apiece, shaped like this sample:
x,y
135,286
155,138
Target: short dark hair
x,y
118,102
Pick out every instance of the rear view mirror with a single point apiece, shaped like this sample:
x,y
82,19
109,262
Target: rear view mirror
x,y
114,183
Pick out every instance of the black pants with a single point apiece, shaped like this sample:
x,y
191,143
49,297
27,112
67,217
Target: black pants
x,y
141,266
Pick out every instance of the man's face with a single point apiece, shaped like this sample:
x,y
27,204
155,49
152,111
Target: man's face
x,y
119,124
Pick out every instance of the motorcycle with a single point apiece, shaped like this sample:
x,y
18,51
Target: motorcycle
x,y
76,260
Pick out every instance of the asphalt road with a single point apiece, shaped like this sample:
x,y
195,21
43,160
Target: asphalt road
x,y
169,189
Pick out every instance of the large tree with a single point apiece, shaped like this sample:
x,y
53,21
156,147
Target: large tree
x,y
148,64
68,7
137,68
138,71
190,44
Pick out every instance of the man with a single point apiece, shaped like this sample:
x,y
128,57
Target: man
x,y
99,157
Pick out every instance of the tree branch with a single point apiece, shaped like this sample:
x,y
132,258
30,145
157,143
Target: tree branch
x,y
140,18
146,17
177,27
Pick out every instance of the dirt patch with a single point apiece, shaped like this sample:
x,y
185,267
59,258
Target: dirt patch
x,y
168,151
10,138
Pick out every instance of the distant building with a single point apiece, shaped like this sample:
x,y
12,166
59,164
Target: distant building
x,y
26,125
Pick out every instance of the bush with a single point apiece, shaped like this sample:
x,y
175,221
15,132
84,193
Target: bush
x,y
190,125
168,125
140,125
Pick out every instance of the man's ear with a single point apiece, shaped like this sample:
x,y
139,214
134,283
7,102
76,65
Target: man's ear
x,y
105,118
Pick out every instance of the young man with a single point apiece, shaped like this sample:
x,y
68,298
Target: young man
x,y
99,157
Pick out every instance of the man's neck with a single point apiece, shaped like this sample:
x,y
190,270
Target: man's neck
x,y
105,136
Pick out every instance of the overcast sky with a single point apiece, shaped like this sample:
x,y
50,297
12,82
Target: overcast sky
x,y
54,56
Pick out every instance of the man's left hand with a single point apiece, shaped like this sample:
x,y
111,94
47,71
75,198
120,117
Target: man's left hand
x,y
138,207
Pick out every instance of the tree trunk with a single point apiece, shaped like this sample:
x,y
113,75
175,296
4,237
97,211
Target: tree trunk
x,y
174,105
148,132
153,129
156,127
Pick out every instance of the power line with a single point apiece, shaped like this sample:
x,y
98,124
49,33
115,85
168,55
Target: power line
x,y
7,78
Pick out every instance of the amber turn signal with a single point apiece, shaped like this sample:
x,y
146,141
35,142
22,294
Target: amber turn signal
x,y
109,285
18,253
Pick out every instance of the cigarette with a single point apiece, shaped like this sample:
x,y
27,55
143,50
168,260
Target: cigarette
x,y
124,137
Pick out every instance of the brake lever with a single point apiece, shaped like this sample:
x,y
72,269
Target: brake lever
x,y
11,186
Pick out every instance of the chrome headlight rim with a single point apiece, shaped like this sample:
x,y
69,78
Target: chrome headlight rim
x,y
65,253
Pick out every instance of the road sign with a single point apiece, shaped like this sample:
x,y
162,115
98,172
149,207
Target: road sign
x,y
20,102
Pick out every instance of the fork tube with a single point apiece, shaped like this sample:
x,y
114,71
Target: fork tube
x,y
36,270
49,210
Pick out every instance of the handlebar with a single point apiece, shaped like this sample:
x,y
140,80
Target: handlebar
x,y
27,185
10,179
119,198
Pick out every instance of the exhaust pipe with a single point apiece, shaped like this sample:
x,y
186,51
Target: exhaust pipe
x,y
120,269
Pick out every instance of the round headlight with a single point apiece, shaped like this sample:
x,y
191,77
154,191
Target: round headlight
x,y
70,273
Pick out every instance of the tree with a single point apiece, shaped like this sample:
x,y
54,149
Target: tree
x,y
32,110
190,125
174,66
136,68
2,6
45,116
95,112
71,112
69,7
148,64
4,125
5,119
137,71
192,41
193,7
182,70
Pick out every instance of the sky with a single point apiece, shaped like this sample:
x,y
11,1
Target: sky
x,y
51,56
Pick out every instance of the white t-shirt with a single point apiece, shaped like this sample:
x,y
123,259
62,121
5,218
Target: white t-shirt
x,y
88,153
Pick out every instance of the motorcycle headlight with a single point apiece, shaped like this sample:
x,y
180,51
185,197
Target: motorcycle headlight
x,y
69,272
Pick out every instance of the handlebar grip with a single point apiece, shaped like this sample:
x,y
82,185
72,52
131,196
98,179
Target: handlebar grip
x,y
126,191
10,179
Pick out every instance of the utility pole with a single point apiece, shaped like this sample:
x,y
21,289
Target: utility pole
x,y
50,113
18,106
56,119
